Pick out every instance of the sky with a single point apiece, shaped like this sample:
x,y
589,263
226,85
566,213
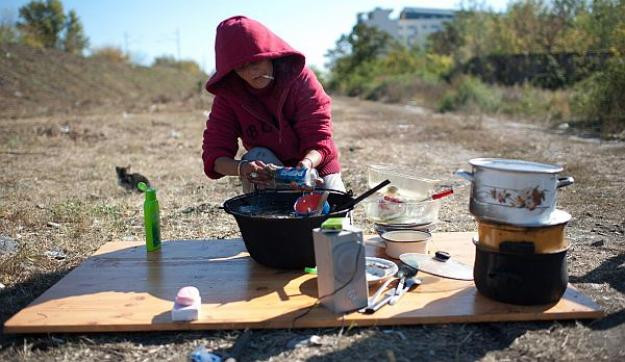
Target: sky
x,y
185,29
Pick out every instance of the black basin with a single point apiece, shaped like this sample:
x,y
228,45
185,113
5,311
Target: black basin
x,y
279,242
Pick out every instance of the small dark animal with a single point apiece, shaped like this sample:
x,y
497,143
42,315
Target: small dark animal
x,y
129,181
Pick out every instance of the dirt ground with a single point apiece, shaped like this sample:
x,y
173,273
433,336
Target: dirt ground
x,y
58,193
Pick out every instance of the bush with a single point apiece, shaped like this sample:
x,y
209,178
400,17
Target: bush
x,y
600,99
110,53
188,66
407,87
533,102
469,93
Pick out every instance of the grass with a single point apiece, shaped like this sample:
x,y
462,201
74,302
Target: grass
x,y
62,171
46,81
77,189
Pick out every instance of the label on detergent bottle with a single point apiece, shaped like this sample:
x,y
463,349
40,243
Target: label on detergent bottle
x,y
302,177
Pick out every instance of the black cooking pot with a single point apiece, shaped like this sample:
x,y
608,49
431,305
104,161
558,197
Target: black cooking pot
x,y
516,274
271,236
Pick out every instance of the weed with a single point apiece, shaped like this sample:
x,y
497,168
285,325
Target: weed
x,y
469,93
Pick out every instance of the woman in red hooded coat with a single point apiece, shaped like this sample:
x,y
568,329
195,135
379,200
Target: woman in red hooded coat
x,y
265,96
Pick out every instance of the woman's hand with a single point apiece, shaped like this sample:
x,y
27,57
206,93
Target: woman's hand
x,y
305,163
256,172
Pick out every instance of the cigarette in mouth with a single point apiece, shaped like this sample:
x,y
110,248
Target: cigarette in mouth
x,y
267,76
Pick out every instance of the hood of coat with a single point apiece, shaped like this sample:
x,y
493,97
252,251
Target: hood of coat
x,y
241,40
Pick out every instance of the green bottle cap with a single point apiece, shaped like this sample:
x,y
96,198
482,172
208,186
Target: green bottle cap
x,y
150,193
333,224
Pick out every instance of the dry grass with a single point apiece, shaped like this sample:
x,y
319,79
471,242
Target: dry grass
x,y
48,81
58,192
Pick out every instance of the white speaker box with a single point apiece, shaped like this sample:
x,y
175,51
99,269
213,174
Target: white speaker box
x,y
341,271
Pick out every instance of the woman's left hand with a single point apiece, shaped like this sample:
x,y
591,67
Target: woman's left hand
x,y
305,163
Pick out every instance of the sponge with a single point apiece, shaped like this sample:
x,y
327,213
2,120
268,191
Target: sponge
x,y
187,305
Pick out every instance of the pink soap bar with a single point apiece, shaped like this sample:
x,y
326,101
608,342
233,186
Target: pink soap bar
x,y
187,295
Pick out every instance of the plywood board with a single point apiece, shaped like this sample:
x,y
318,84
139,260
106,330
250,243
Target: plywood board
x,y
123,288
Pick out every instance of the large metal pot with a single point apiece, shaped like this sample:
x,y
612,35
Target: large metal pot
x,y
513,191
272,236
513,273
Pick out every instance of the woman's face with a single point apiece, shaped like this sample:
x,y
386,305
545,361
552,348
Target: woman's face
x,y
257,74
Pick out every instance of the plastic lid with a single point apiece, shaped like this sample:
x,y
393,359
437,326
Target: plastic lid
x,y
441,265
150,193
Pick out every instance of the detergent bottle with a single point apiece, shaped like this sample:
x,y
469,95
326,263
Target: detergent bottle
x,y
151,218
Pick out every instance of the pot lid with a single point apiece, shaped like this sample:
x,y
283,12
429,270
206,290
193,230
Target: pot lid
x,y
515,165
440,265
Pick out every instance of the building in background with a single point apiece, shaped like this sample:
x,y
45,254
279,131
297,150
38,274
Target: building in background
x,y
413,25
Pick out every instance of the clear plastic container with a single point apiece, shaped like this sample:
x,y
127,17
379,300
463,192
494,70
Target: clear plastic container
x,y
409,185
379,210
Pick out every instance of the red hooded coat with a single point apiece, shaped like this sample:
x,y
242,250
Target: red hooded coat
x,y
301,119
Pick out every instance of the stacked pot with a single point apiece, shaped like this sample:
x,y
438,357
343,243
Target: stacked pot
x,y
521,246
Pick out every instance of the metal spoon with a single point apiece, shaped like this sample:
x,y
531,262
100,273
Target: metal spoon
x,y
377,293
405,271
411,282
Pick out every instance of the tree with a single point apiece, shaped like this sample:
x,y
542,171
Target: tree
x,y
75,40
355,53
447,40
8,33
42,23
363,44
607,25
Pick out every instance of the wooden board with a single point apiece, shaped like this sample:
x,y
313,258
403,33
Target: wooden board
x,y
120,288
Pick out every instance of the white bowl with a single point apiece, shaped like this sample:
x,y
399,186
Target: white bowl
x,y
405,241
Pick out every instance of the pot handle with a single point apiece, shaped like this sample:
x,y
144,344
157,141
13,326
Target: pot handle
x,y
565,181
464,174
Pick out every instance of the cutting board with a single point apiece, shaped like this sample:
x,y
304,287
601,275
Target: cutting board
x,y
124,288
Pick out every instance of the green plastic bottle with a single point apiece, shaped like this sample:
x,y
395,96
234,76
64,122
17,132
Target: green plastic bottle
x,y
151,218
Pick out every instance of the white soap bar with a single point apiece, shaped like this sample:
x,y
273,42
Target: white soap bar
x,y
187,295
186,312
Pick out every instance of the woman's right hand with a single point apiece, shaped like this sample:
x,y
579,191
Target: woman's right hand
x,y
256,172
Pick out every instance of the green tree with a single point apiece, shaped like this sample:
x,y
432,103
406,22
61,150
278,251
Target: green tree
x,y
75,40
363,44
41,23
607,25
355,51
446,41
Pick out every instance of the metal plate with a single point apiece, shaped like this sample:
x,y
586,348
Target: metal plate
x,y
378,269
